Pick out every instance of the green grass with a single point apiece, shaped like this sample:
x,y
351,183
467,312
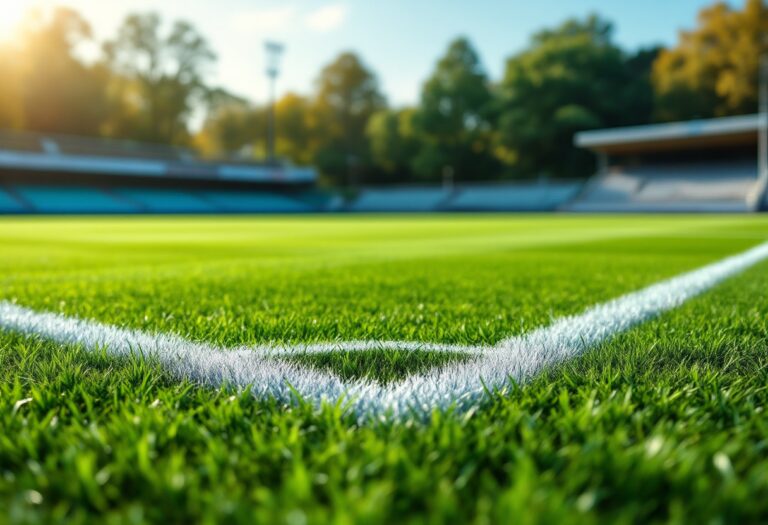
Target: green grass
x,y
385,366
662,424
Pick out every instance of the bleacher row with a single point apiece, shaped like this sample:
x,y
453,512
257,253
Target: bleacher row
x,y
711,187
642,190
81,199
532,196
86,199
66,155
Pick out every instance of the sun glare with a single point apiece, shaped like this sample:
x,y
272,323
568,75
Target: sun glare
x,y
13,14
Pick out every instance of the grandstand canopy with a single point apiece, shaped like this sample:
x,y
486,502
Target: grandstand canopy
x,y
725,132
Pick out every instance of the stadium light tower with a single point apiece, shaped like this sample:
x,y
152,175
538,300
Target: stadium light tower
x,y
274,53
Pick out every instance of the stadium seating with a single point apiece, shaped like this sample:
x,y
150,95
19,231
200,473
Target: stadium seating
x,y
256,202
77,199
533,196
10,204
72,199
716,187
616,188
155,200
423,199
42,153
334,203
701,183
513,197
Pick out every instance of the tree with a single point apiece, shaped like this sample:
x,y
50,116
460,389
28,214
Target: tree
x,y
233,130
713,70
235,127
159,79
393,142
231,127
57,91
296,130
347,95
569,79
11,99
453,120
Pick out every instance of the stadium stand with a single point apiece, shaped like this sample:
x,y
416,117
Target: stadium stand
x,y
689,194
706,165
76,199
698,166
154,200
522,196
62,155
9,203
63,174
616,188
401,199
264,202
701,183
71,199
321,200
723,187
532,196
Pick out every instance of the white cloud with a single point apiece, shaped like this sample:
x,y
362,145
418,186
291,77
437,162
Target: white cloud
x,y
275,20
326,18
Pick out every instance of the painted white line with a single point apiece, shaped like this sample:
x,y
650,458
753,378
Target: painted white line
x,y
461,385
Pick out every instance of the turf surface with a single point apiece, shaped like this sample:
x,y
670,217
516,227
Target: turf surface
x,y
664,423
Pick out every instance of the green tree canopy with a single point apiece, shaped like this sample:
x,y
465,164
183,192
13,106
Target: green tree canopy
x,y
53,89
393,142
453,119
713,70
159,78
11,108
234,129
570,78
297,136
347,95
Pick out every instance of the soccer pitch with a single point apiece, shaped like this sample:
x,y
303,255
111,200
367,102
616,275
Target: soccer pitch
x,y
659,422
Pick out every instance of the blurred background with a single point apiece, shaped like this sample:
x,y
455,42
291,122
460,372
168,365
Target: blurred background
x,y
112,107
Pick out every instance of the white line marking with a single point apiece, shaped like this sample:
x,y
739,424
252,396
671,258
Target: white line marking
x,y
462,385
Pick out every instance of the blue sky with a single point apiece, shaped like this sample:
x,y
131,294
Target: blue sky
x,y
399,39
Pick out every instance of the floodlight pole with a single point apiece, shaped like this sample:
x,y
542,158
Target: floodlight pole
x,y
274,51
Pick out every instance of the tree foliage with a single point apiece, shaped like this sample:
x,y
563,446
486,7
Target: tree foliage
x,y
569,79
713,70
453,119
45,86
159,78
347,95
296,129
233,129
11,109
393,142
